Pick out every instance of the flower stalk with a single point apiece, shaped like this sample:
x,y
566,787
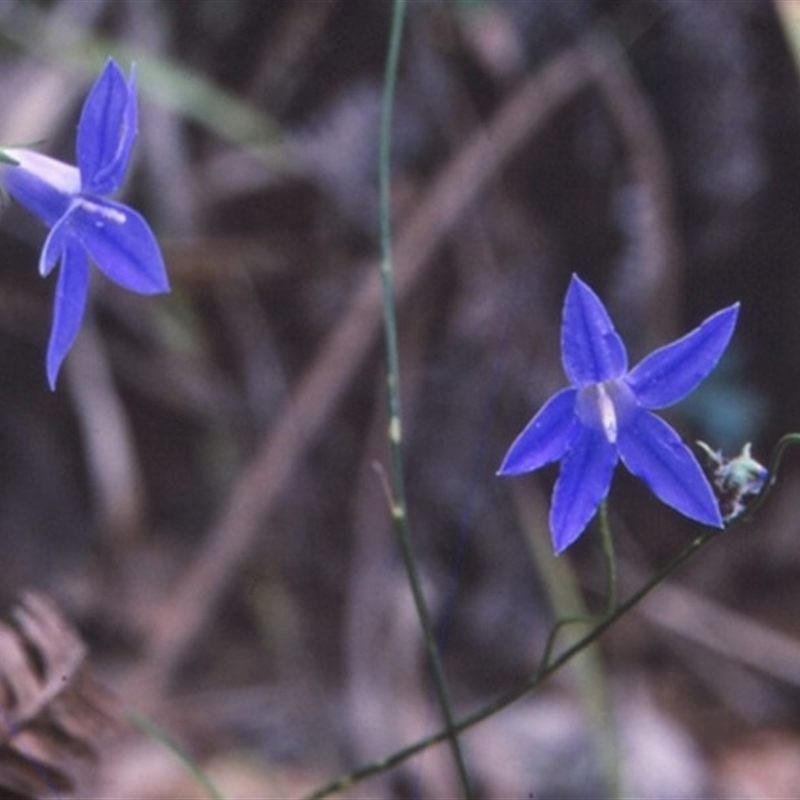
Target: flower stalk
x,y
398,500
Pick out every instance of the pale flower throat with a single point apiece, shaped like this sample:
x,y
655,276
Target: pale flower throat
x,y
603,406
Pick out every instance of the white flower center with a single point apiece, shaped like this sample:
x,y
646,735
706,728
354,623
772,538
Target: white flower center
x,y
102,212
608,415
605,406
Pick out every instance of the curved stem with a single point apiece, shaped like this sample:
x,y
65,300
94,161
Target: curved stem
x,y
784,443
611,589
586,619
541,674
533,682
146,726
398,500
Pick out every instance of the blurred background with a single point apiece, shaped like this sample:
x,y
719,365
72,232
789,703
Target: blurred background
x,y
204,493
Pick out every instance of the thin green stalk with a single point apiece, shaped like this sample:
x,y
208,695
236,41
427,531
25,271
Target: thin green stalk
x,y
610,562
150,729
399,507
566,600
595,687
784,443
533,682
343,782
608,554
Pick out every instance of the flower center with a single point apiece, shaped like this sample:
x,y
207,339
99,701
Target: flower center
x,y
604,406
101,213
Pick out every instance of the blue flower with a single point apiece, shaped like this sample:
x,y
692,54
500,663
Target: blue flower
x,y
606,416
72,202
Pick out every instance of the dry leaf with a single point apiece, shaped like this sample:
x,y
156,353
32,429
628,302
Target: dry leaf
x,y
52,713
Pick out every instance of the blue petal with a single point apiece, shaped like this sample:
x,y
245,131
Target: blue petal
x,y
54,246
671,372
70,302
654,452
583,483
591,349
42,184
106,131
121,243
545,438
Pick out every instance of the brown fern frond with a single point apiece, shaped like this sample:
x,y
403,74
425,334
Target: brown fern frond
x,y
52,712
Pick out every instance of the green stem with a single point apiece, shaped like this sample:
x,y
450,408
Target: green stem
x,y
533,682
610,560
541,674
604,728
784,443
611,589
586,619
149,728
399,507
561,586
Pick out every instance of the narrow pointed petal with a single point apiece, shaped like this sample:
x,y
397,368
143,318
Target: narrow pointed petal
x,y
582,485
121,243
70,303
545,438
672,372
106,131
591,349
45,186
654,452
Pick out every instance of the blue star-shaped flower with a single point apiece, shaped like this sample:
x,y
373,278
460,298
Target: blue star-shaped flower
x,y
72,202
605,415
